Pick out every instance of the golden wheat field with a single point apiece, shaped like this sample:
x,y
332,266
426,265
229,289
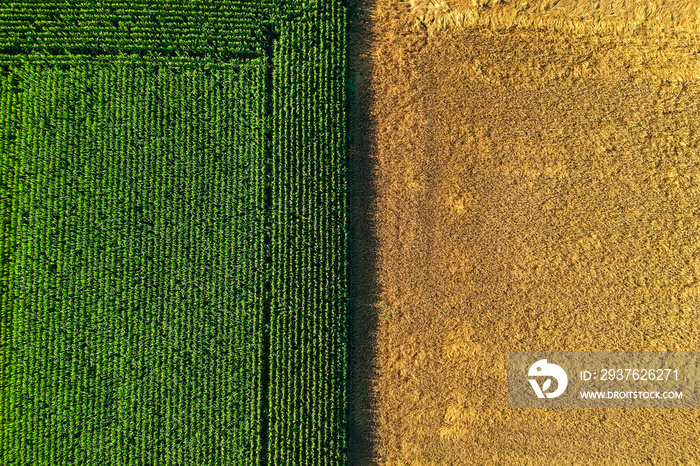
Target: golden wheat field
x,y
525,175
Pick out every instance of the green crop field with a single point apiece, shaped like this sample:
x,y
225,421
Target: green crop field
x,y
173,233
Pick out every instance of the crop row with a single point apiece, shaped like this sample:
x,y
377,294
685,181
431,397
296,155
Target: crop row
x,y
308,347
201,27
174,234
137,274
8,127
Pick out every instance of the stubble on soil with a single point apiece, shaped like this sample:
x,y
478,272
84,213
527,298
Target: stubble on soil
x,y
531,190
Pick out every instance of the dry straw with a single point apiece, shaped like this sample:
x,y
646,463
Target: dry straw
x,y
619,17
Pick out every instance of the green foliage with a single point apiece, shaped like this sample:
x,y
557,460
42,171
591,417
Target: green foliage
x,y
138,260
9,118
173,251
308,334
201,27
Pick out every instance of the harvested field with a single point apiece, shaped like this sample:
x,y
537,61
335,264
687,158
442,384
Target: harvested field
x,y
536,181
